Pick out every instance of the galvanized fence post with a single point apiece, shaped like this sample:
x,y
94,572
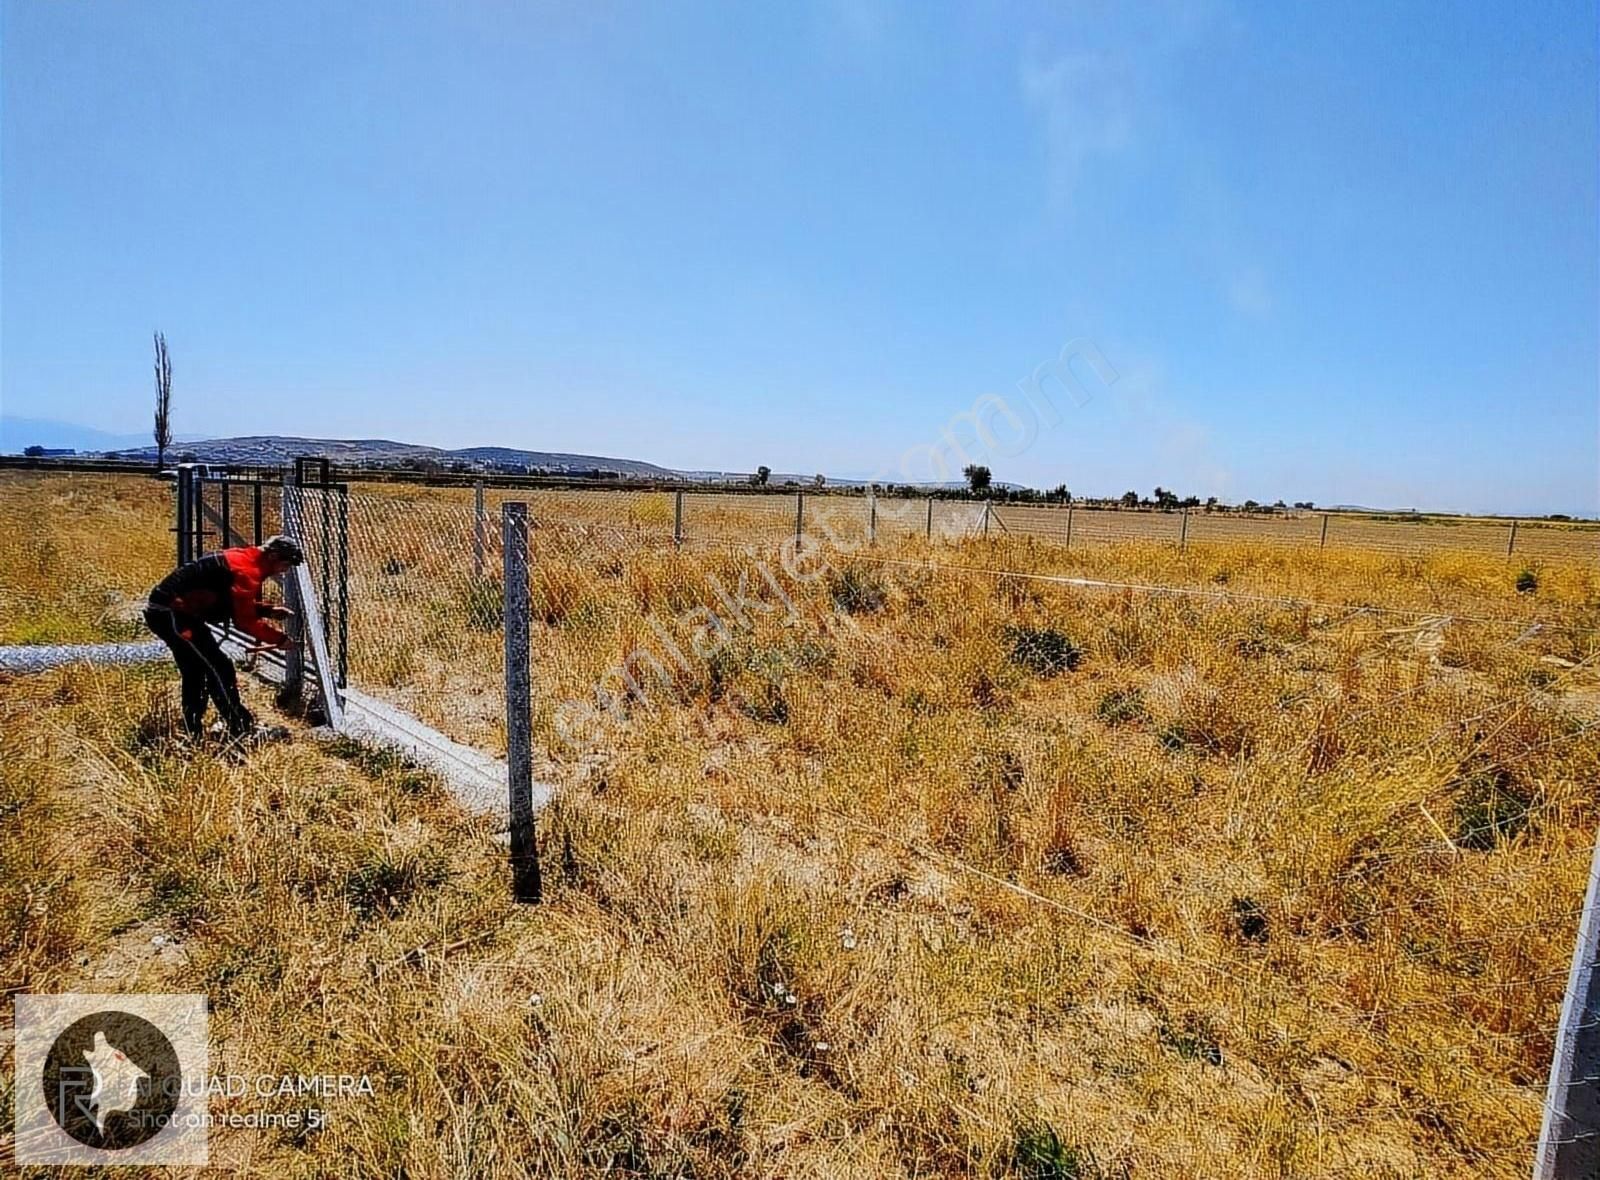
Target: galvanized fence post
x,y
480,526
526,885
1569,1137
1511,541
677,519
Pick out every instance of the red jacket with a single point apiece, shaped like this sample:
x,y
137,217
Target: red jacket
x,y
221,588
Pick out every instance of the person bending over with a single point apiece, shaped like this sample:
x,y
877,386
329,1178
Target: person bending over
x,y
223,587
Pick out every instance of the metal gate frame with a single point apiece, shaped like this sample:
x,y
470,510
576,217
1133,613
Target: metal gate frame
x,y
204,524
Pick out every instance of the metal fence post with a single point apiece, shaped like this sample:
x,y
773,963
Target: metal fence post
x,y
479,527
872,515
677,519
255,513
986,518
1569,1138
799,519
1068,545
1511,541
1323,544
930,518
185,506
294,655
525,882
1183,531
197,518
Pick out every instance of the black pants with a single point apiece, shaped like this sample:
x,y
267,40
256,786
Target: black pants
x,y
206,671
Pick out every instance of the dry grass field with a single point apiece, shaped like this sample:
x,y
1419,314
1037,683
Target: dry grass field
x,y
870,867
78,555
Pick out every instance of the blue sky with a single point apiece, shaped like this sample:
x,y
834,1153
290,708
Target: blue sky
x,y
1345,253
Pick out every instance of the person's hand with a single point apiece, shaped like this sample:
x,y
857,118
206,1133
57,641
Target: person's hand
x,y
275,612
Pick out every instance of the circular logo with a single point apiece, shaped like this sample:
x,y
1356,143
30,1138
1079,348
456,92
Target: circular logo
x,y
112,1080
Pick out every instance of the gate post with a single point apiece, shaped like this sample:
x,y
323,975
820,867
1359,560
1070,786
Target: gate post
x,y
526,885
185,506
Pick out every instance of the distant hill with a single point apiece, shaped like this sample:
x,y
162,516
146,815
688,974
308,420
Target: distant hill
x,y
272,449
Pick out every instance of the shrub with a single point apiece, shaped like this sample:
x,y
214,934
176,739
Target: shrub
x,y
387,879
1490,808
1123,706
1527,581
1037,1153
1173,737
768,705
1249,920
857,591
1191,1039
1044,651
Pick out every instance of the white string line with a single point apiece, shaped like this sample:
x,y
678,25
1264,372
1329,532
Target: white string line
x,y
1220,595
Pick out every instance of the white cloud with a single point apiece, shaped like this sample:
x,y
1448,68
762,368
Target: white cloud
x,y
1086,100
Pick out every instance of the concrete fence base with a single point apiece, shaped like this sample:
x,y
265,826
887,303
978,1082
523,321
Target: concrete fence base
x,y
41,657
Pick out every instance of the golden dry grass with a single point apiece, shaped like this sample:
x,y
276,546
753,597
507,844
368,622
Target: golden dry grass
x,y
944,873
78,554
